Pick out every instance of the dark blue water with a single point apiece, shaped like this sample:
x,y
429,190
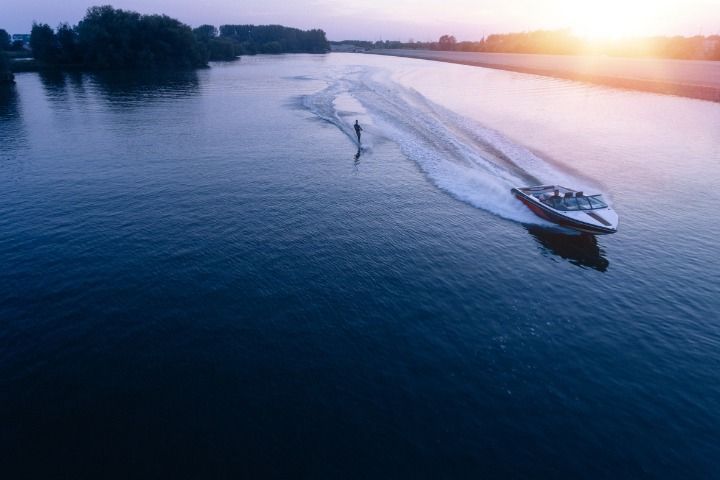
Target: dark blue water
x,y
201,279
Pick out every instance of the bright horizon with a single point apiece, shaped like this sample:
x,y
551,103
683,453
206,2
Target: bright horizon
x,y
422,20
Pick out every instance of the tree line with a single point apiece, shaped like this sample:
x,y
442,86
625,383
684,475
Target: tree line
x,y
109,38
564,42
274,39
6,75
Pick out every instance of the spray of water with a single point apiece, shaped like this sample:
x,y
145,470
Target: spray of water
x,y
469,161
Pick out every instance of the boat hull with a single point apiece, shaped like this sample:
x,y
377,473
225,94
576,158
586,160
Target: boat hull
x,y
551,215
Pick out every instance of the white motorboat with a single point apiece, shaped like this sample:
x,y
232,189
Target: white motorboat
x,y
569,208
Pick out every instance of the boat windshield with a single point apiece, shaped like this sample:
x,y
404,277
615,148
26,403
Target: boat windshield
x,y
596,202
582,202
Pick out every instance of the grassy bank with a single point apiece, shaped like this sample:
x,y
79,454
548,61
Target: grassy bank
x,y
627,73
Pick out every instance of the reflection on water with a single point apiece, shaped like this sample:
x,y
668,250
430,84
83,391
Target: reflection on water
x,y
356,161
12,132
581,250
8,103
60,86
125,89
53,82
133,88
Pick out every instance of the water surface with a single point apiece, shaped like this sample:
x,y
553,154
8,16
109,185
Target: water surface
x,y
201,277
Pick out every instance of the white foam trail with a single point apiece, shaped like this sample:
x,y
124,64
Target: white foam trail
x,y
471,162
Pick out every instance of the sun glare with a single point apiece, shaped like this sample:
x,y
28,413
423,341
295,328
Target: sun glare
x,y
612,19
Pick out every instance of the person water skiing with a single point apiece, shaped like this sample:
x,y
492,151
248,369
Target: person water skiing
x,y
358,129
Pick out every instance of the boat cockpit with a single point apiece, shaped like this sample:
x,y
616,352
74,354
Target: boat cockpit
x,y
573,201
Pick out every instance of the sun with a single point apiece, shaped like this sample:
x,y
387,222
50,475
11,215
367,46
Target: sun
x,y
612,19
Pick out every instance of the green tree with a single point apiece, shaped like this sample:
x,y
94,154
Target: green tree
x,y
67,40
43,43
447,42
216,48
223,49
111,38
254,38
205,33
6,76
5,39
271,47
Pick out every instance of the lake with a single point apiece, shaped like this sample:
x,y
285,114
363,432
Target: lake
x,y
202,276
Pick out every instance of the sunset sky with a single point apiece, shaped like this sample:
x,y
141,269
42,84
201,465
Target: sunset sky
x,y
406,19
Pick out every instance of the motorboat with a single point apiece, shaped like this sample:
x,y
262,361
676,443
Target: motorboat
x,y
569,208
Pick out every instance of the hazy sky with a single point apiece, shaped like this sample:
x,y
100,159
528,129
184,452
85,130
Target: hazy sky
x,y
404,19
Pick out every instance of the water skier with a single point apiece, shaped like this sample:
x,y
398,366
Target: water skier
x,y
358,129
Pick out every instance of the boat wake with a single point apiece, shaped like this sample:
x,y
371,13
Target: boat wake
x,y
469,161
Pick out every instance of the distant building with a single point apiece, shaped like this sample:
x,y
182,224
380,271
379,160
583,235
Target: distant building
x,y
21,37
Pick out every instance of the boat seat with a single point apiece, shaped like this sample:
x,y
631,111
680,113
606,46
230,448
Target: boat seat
x,y
568,194
579,194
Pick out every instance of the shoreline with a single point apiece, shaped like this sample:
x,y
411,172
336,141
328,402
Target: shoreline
x,y
667,77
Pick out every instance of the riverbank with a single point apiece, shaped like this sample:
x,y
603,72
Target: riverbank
x,y
23,65
688,78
